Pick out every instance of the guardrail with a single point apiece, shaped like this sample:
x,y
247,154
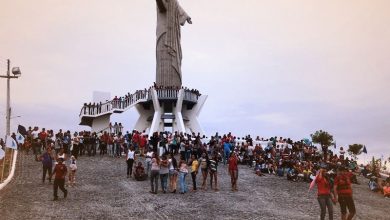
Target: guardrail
x,y
123,103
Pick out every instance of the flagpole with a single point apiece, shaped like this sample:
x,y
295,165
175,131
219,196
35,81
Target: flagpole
x,y
12,159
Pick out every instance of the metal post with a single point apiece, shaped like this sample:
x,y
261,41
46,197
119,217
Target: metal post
x,y
8,110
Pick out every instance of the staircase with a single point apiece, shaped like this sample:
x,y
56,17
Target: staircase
x,y
153,105
89,113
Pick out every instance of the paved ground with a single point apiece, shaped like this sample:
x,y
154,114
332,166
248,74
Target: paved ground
x,y
104,192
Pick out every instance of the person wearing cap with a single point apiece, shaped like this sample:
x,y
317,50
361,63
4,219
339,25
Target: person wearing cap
x,y
60,172
343,193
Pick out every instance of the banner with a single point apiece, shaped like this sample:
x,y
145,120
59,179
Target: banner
x,y
20,139
11,143
2,153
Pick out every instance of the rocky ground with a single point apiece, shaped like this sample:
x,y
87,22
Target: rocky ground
x,y
104,192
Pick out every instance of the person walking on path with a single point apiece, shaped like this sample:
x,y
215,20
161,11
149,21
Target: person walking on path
x,y
233,170
155,172
343,193
130,160
60,172
325,196
47,164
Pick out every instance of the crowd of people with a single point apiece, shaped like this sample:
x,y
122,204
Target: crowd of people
x,y
170,157
376,181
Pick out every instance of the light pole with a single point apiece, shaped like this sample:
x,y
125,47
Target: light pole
x,y
17,74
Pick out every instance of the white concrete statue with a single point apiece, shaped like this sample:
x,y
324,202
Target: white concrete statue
x,y
168,49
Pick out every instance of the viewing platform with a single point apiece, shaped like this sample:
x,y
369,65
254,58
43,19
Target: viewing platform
x,y
143,100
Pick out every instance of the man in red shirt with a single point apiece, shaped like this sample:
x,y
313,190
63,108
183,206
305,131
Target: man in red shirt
x,y
142,144
135,140
60,172
343,193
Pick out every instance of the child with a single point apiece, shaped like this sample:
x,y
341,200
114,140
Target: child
x,y
386,190
140,174
72,173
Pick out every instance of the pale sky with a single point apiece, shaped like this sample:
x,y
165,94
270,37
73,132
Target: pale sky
x,y
270,68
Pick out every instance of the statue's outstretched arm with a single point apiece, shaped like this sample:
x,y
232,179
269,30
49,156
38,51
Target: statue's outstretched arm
x,y
183,16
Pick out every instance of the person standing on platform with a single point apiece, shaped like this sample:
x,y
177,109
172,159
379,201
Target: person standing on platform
x,y
60,172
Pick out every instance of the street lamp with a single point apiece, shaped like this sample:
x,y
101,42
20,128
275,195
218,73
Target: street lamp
x,y
16,74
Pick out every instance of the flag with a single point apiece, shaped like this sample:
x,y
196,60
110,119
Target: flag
x,y
2,153
22,130
365,149
20,138
11,143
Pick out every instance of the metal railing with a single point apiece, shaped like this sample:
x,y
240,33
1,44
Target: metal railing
x,y
141,95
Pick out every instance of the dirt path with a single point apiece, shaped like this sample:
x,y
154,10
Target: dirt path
x,y
104,192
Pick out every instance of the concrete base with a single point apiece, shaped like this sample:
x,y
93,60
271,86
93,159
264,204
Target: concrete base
x,y
101,124
185,119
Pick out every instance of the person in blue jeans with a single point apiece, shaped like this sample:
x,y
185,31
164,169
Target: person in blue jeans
x,y
226,149
164,171
183,171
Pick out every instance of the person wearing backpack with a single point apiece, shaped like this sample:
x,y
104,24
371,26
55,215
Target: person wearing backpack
x,y
47,164
343,193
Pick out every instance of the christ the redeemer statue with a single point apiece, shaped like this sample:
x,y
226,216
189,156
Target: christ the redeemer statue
x,y
170,16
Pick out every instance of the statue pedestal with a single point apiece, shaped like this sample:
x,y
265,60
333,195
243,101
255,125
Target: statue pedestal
x,y
171,108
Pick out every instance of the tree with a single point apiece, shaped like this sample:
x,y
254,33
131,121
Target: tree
x,y
323,138
354,150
